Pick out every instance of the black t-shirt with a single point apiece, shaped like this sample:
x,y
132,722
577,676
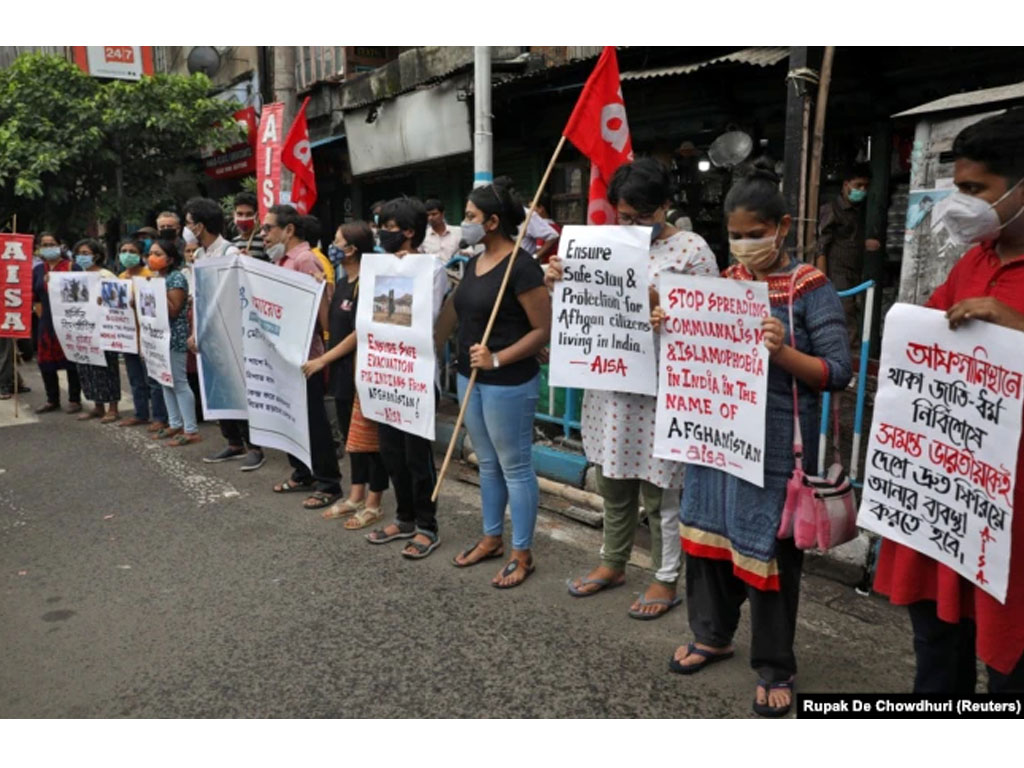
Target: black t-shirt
x,y
342,321
474,300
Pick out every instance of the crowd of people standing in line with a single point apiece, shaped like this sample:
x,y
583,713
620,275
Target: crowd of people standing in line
x,y
712,530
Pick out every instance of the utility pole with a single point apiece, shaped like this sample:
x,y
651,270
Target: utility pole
x,y
483,139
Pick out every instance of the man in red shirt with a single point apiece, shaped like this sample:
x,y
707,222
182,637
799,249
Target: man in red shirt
x,y
286,246
953,620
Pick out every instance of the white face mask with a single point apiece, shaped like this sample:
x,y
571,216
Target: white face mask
x,y
189,235
275,252
756,254
970,219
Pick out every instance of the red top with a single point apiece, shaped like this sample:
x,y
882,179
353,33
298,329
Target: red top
x,y
906,575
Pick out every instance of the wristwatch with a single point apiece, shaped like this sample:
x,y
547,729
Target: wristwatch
x,y
495,363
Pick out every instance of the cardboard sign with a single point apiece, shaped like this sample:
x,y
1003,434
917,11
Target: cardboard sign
x,y
76,315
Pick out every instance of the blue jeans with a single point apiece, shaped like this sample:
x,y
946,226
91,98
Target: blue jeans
x,y
145,390
500,424
181,403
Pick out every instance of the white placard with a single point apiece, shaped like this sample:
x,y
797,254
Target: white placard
x,y
76,315
942,455
116,324
395,353
600,333
713,374
154,327
218,318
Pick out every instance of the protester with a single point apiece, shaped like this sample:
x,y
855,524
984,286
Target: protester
x,y
248,240
953,620
146,236
164,261
100,383
311,230
50,354
729,526
618,428
204,218
168,226
8,349
547,248
359,434
190,252
499,417
841,242
440,239
409,458
540,237
147,394
286,246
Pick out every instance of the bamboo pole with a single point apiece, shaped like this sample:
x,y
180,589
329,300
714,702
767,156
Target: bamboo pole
x,y
818,143
494,316
14,344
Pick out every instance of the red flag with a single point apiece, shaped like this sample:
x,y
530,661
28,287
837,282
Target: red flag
x,y
599,129
297,157
268,161
16,286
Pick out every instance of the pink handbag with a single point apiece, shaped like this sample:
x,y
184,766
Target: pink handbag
x,y
819,511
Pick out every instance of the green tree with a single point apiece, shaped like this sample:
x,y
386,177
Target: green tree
x,y
73,149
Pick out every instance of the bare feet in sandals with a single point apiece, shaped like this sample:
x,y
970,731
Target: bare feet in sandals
x,y
488,547
686,655
515,571
659,598
600,578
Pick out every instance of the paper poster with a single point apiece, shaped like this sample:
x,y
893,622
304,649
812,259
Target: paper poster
x,y
278,313
600,332
713,376
218,329
942,456
154,327
76,315
15,286
116,321
395,353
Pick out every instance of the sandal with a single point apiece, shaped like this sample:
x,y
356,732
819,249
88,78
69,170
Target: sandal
x,y
73,408
342,509
363,518
602,584
380,537
320,499
167,432
93,414
48,407
156,426
422,550
668,604
511,567
766,710
184,439
292,486
709,657
498,551
131,421
110,418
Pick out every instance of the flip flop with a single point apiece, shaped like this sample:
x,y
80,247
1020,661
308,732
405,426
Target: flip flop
x,y
764,710
512,567
603,584
422,550
710,657
498,551
669,605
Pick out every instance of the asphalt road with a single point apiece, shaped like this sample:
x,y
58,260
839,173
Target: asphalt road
x,y
136,581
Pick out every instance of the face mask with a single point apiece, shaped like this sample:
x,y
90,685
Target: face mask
x,y
130,259
757,255
335,254
146,243
157,263
169,233
189,235
244,224
275,252
50,253
970,219
857,195
84,260
472,232
376,219
391,241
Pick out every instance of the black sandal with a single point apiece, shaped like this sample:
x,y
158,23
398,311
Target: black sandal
x,y
422,550
322,498
766,710
379,537
509,569
498,551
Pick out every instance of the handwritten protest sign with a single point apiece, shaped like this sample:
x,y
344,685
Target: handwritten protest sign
x,y
278,314
75,315
16,286
218,317
713,375
601,332
116,321
942,457
154,327
395,352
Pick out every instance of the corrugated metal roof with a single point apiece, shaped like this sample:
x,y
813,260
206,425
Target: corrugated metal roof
x,y
972,99
760,57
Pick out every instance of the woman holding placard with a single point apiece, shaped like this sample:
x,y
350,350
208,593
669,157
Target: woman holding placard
x,y
100,383
618,427
499,417
50,354
729,525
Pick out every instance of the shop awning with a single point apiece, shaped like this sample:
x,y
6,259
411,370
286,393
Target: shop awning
x,y
758,57
972,99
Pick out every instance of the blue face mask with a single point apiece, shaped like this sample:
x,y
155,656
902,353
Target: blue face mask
x,y
130,259
858,195
335,254
50,252
146,243
84,260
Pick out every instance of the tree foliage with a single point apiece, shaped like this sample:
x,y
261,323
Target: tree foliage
x,y
74,149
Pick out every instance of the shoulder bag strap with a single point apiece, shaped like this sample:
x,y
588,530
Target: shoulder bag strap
x,y
798,440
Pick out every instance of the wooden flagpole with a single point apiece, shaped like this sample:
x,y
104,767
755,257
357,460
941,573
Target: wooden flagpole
x,y
494,316
14,344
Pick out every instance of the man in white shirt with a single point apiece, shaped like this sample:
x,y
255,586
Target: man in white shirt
x,y
440,239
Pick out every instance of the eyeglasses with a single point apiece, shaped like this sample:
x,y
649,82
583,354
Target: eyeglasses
x,y
267,227
641,219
